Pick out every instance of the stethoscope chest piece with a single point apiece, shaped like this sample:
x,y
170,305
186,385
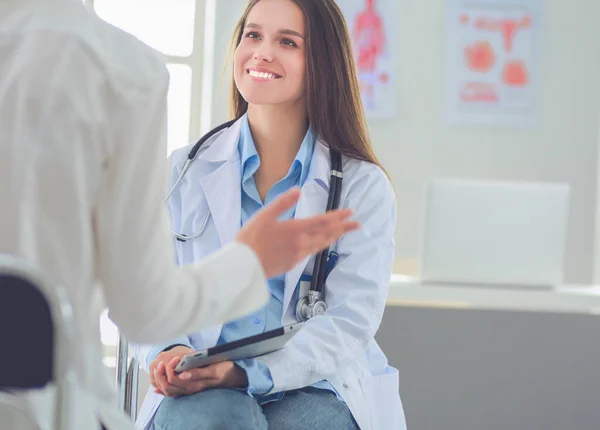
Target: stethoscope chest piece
x,y
310,305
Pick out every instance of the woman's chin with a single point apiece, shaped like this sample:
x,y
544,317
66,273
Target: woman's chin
x,y
262,101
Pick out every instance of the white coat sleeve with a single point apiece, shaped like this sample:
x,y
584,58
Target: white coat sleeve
x,y
356,293
149,298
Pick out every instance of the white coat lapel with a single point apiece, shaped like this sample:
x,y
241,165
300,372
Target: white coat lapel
x,y
223,195
313,201
222,186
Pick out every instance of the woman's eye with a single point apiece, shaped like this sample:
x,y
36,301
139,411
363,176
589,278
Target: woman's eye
x,y
252,35
288,42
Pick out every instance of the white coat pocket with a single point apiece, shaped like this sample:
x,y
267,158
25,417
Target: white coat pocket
x,y
383,400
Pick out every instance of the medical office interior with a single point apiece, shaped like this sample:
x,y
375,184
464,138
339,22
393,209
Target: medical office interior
x,y
492,317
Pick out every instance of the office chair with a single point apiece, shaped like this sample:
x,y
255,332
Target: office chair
x,y
37,338
127,379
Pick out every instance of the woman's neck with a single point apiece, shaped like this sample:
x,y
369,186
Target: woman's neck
x,y
278,133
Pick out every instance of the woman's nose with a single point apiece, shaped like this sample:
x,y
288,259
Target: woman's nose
x,y
263,55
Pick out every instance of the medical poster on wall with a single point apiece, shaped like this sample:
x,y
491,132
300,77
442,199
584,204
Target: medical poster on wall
x,y
492,62
370,23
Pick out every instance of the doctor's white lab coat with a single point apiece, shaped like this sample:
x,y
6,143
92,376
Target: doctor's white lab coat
x,y
338,346
83,174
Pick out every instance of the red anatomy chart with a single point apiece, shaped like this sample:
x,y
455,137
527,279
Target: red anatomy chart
x,y
371,34
491,63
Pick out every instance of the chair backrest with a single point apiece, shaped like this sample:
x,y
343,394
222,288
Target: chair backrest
x,y
127,379
36,334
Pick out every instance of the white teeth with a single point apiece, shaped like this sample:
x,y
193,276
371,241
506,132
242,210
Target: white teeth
x,y
262,75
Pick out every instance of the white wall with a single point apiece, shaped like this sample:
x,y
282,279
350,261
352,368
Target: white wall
x,y
227,14
418,145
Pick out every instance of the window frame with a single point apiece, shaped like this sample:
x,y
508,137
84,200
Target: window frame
x,y
195,61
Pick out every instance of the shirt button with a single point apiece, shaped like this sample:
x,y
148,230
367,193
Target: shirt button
x,y
256,320
345,386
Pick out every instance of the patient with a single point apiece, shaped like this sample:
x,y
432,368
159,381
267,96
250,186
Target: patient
x,y
295,95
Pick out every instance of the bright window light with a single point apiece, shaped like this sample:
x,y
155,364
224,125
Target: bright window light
x,y
166,25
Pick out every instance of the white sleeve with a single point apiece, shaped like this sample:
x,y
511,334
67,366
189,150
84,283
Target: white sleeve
x,y
149,298
355,292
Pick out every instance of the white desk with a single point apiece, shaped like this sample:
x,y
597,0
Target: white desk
x,y
578,299
409,291
494,359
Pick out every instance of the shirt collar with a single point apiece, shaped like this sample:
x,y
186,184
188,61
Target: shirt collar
x,y
246,145
305,154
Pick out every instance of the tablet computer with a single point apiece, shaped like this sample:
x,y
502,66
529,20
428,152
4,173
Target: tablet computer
x,y
248,347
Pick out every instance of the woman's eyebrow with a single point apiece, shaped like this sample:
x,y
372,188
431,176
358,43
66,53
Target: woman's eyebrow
x,y
281,31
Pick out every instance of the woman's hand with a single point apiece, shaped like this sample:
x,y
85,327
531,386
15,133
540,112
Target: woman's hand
x,y
219,375
165,358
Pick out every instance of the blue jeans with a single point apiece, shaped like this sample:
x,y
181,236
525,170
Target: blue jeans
x,y
221,409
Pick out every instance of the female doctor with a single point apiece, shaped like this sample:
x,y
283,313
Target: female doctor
x,y
296,96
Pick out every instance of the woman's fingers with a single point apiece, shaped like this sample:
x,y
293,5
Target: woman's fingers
x,y
170,371
161,376
323,221
160,379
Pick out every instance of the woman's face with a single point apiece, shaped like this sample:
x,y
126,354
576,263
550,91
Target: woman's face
x,y
270,61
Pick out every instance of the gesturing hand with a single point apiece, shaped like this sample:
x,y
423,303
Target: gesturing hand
x,y
280,245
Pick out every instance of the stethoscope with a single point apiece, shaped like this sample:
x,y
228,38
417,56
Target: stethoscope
x,y
312,303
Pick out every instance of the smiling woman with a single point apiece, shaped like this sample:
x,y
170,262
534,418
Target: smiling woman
x,y
271,54
295,99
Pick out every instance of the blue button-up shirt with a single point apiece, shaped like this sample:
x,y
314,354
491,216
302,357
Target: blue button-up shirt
x,y
268,318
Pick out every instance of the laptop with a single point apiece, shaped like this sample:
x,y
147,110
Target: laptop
x,y
494,232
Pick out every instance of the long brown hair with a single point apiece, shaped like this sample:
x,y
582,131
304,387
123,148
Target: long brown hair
x,y
335,110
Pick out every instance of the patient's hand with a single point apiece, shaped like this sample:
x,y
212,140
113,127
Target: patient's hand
x,y
218,375
165,358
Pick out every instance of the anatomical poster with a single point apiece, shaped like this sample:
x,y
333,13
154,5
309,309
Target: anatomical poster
x,y
492,62
371,26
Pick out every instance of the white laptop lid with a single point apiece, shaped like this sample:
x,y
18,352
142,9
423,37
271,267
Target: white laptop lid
x,y
487,232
